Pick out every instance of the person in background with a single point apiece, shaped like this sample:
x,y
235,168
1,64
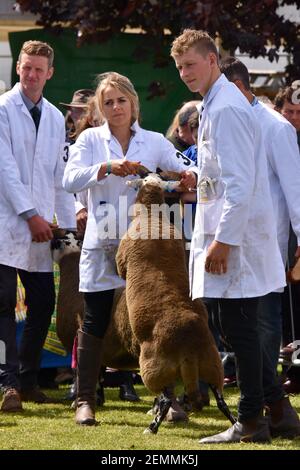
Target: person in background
x,y
287,103
76,110
179,132
32,142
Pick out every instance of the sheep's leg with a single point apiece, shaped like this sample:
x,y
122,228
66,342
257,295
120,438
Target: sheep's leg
x,y
164,403
222,404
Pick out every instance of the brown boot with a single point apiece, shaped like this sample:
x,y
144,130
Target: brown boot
x,y
11,401
283,419
89,355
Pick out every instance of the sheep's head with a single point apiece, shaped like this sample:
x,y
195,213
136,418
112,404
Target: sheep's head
x,y
154,185
64,243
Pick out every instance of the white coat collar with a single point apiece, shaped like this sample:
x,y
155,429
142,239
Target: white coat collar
x,y
18,100
106,134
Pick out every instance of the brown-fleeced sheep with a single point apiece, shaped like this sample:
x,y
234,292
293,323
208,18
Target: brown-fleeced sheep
x,y
171,329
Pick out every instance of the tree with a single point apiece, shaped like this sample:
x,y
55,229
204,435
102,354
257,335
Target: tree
x,y
251,25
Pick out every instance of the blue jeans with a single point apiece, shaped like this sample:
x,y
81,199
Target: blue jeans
x,y
270,331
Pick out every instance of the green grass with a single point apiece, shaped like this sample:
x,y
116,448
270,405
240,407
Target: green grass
x,y
121,426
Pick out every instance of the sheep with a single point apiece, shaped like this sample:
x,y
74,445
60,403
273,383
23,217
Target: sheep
x,y
171,329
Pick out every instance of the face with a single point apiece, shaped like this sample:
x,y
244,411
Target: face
x,y
292,113
196,71
34,72
185,134
117,108
76,114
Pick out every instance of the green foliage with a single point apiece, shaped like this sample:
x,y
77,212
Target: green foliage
x,y
249,25
121,426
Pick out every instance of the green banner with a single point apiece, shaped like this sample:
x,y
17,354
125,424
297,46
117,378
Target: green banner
x,y
78,67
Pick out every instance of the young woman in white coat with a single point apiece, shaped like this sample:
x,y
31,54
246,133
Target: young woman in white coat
x,y
101,161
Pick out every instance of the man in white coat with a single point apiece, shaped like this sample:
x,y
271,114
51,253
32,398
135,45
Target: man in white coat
x,y
235,256
33,157
280,140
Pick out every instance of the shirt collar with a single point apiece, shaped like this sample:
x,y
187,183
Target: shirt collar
x,y
28,103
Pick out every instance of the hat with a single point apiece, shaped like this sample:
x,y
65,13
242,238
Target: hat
x,y
80,99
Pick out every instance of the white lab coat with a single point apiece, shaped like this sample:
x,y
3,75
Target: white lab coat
x,y
94,146
31,170
238,209
280,139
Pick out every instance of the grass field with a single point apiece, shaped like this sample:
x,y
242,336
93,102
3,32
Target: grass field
x,y
121,426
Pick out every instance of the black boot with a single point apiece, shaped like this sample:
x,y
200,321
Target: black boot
x,y
89,353
127,391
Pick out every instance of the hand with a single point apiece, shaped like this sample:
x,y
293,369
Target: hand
x,y
217,258
81,219
297,254
124,167
188,180
40,229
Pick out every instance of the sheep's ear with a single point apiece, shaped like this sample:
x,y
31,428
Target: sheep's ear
x,y
59,233
135,184
169,175
142,171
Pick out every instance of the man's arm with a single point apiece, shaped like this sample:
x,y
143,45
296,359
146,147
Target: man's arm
x,y
17,193
232,143
285,161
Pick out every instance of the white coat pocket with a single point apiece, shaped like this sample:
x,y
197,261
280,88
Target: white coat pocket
x,y
210,191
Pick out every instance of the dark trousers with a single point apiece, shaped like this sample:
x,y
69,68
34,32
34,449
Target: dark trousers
x,y
238,323
97,312
21,370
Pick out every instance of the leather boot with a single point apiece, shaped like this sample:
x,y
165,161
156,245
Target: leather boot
x,y
127,391
89,353
252,430
283,419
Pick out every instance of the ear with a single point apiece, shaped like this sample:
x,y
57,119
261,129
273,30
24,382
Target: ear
x,y
213,60
169,175
18,68
50,73
135,184
59,233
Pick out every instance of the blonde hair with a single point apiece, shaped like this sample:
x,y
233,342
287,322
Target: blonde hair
x,y
38,48
199,39
124,85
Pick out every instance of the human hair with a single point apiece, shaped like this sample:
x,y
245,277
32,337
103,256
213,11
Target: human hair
x,y
91,118
284,94
193,121
234,69
198,39
124,85
181,116
38,48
